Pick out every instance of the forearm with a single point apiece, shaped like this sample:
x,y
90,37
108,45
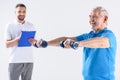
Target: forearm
x,y
95,43
56,42
11,43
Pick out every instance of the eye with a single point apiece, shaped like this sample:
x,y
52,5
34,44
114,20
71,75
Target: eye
x,y
19,11
24,11
89,16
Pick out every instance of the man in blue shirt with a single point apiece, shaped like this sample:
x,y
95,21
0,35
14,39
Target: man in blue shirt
x,y
99,47
98,60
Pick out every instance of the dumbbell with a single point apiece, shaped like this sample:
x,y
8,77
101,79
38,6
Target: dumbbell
x,y
62,43
73,44
43,44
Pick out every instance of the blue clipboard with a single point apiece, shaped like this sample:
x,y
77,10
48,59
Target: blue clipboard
x,y
26,35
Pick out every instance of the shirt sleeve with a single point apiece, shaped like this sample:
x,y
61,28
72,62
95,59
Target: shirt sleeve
x,y
112,39
7,32
84,36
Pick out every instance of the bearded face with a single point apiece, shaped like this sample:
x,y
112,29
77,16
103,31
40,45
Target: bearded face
x,y
20,13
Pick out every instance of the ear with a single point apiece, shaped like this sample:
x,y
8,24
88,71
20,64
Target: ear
x,y
106,19
14,12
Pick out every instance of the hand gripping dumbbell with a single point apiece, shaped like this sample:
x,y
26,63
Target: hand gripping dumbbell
x,y
73,44
62,43
43,44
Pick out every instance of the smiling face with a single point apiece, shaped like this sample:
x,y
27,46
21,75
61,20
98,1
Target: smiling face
x,y
20,13
98,21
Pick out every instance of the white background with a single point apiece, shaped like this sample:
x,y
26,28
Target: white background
x,y
55,18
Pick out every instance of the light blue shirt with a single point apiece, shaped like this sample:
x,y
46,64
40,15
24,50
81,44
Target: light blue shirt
x,y
99,63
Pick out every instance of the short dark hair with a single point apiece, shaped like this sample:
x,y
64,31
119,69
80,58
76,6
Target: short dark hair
x,y
20,5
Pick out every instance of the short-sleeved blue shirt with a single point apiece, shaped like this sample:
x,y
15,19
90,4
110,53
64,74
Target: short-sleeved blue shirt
x,y
99,63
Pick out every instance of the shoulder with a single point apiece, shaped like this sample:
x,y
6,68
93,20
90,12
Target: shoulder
x,y
108,31
9,25
30,26
29,23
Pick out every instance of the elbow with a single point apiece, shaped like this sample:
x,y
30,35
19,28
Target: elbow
x,y
8,45
105,45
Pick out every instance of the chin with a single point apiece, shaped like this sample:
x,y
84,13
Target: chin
x,y
21,19
94,28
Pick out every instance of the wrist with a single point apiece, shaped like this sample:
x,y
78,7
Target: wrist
x,y
36,44
80,44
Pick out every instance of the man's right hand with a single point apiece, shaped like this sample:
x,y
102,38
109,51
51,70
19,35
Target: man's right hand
x,y
41,43
65,43
68,43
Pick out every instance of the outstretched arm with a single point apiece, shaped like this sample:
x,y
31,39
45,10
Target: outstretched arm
x,y
56,42
95,43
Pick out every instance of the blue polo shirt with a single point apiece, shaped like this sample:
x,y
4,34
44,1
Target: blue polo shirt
x,y
99,63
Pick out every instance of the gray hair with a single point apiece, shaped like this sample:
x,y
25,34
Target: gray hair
x,y
102,11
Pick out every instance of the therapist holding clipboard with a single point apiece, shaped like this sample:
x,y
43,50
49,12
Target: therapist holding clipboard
x,y
21,55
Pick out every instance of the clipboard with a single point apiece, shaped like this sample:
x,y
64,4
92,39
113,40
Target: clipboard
x,y
25,36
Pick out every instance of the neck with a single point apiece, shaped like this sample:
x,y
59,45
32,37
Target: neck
x,y
97,30
22,22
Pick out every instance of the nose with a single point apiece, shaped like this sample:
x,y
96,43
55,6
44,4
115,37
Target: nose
x,y
92,19
22,13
